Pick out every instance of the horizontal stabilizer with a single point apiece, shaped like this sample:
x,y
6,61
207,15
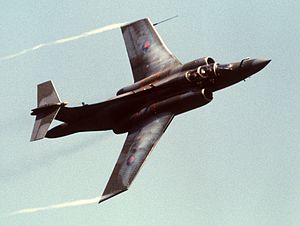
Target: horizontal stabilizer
x,y
46,94
42,124
48,106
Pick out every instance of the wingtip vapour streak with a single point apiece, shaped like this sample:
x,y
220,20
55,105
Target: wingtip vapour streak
x,y
80,202
64,40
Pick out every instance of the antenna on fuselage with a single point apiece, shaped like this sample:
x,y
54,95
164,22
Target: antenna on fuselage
x,y
165,20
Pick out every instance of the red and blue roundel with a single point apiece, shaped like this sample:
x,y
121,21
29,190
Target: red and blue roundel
x,y
130,160
146,45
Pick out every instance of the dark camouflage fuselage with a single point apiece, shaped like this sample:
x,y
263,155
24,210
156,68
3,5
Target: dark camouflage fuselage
x,y
163,88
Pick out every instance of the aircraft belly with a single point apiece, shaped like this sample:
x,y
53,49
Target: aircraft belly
x,y
175,104
179,103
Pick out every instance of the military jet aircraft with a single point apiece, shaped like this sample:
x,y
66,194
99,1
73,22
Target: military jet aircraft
x,y
163,88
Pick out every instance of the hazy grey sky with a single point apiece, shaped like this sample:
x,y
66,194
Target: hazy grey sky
x,y
232,162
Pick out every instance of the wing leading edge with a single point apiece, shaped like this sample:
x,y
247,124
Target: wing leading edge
x,y
146,51
138,145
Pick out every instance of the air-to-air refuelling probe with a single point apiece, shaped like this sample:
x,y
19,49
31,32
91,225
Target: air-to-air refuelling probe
x,y
163,88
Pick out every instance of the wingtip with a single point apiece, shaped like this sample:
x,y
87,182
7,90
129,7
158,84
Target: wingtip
x,y
110,195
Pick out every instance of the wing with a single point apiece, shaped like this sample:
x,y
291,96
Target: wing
x,y
137,147
146,51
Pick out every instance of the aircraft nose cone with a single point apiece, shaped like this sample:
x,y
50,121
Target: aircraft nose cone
x,y
260,64
250,67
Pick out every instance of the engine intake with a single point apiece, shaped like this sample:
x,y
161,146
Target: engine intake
x,y
207,94
197,63
202,73
207,71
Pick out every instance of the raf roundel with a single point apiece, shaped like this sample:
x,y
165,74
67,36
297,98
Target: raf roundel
x,y
146,45
130,160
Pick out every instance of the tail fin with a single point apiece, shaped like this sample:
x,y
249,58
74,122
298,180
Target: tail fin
x,y
48,104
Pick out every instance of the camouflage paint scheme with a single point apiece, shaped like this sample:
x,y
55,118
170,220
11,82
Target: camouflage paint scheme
x,y
163,87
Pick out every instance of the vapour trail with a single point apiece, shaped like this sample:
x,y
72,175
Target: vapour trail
x,y
80,202
64,40
21,164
